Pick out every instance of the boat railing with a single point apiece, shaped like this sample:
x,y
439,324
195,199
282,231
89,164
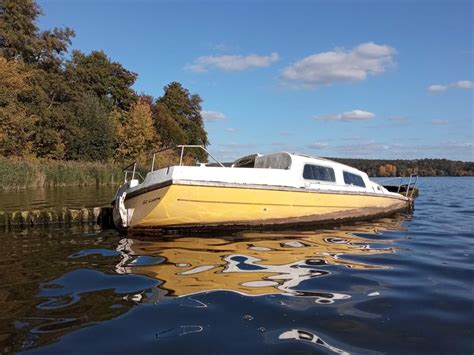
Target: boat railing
x,y
409,188
131,170
182,147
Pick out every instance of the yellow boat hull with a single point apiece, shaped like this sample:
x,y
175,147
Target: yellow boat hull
x,y
183,205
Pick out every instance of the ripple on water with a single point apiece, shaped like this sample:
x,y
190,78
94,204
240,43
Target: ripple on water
x,y
396,285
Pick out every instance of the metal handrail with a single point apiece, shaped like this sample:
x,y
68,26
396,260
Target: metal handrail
x,y
133,171
395,178
414,184
182,146
132,168
410,186
159,151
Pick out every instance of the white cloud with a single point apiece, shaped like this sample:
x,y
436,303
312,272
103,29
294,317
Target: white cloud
x,y
341,65
437,88
232,62
212,116
354,115
318,145
439,122
461,84
231,129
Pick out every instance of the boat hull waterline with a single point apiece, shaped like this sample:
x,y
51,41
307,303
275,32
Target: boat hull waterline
x,y
187,205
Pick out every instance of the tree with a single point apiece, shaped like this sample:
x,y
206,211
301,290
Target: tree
x,y
185,109
136,135
16,123
42,97
21,40
167,127
91,136
98,75
18,31
82,108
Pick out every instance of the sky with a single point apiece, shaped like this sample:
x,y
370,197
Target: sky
x,y
354,79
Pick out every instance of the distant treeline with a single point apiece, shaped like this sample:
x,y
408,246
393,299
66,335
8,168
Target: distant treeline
x,y
81,106
422,167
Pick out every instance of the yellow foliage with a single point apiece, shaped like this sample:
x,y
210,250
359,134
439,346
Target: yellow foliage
x,y
16,124
135,132
387,170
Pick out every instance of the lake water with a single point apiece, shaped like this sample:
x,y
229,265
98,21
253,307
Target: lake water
x,y
397,285
71,197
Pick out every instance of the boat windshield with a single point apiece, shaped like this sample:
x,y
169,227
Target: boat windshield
x,y
273,161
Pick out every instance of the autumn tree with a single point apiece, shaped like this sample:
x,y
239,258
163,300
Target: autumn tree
x,y
83,106
16,122
135,132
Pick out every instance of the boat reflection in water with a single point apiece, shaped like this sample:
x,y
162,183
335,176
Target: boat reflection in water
x,y
254,263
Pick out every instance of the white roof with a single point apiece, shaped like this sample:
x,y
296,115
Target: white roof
x,y
283,175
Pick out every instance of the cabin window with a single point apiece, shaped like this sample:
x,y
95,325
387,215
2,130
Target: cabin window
x,y
353,179
316,172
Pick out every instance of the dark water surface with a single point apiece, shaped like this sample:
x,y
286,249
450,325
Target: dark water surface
x,y
398,285
71,197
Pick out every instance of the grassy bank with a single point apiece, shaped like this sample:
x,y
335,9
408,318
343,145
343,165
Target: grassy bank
x,y
25,173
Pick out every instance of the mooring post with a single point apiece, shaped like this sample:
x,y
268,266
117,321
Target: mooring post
x,y
102,216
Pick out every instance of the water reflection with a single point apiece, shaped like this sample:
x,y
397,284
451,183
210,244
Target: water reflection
x,y
254,263
60,288
297,334
56,282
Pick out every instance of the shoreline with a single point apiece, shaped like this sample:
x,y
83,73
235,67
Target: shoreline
x,y
32,173
21,174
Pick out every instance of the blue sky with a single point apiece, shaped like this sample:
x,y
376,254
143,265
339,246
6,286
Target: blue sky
x,y
359,79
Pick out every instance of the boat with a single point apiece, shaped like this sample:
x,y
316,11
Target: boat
x,y
257,191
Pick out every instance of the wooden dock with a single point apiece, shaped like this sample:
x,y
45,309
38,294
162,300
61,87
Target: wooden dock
x,y
101,216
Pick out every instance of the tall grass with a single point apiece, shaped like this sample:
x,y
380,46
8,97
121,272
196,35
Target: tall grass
x,y
16,173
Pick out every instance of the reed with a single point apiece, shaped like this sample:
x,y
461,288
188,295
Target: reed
x,y
18,173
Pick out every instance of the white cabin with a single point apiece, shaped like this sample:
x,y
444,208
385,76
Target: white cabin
x,y
283,170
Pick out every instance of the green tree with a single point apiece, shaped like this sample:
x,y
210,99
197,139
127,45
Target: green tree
x,y
167,127
97,74
20,38
18,30
91,136
82,108
185,109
